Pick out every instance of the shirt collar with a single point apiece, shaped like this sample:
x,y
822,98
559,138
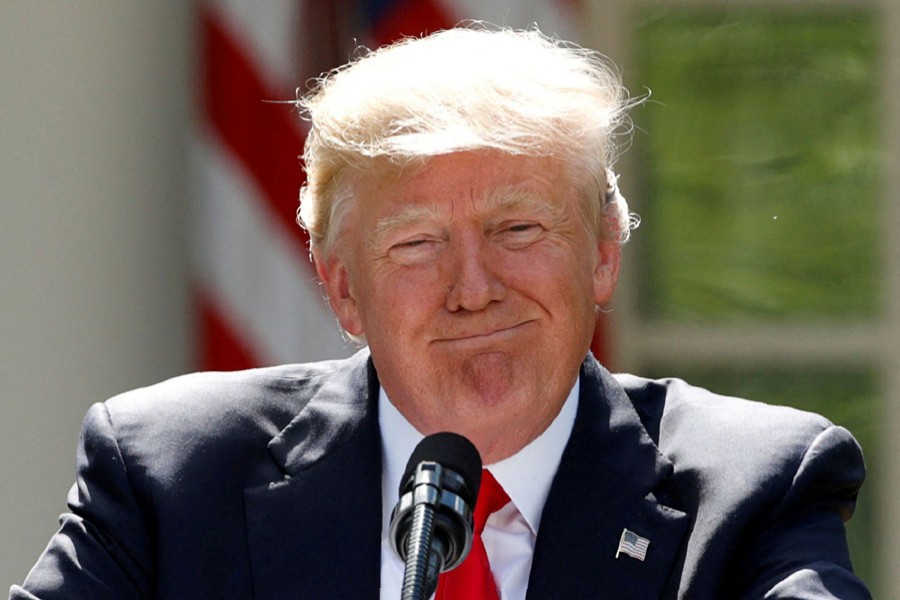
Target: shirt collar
x,y
525,476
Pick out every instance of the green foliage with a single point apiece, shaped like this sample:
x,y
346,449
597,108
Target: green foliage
x,y
760,162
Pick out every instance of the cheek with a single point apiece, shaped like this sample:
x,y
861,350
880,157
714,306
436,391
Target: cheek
x,y
403,296
563,268
564,284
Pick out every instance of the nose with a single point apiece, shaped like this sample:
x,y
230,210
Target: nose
x,y
474,276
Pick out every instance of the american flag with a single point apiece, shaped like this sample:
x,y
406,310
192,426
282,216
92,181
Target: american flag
x,y
256,295
633,545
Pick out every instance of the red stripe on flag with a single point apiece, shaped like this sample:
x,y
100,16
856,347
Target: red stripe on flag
x,y
410,18
220,348
262,135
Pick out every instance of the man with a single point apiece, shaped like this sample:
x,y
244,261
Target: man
x,y
464,223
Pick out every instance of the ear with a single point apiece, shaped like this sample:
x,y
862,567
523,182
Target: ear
x,y
606,271
335,276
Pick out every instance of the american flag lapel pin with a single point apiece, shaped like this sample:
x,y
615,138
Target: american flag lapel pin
x,y
633,545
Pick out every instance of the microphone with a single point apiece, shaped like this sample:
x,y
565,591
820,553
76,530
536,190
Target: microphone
x,y
431,525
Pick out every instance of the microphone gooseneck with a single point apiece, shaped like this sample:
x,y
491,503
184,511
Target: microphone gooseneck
x,y
431,525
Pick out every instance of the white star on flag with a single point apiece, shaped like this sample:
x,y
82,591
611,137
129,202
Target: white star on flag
x,y
633,545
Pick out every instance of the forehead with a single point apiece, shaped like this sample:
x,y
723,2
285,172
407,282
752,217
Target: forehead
x,y
483,181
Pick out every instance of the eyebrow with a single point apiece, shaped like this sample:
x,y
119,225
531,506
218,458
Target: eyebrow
x,y
406,216
510,198
498,200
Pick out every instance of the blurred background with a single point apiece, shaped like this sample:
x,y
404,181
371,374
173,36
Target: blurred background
x,y
149,177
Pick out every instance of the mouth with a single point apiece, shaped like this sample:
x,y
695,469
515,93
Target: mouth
x,y
490,335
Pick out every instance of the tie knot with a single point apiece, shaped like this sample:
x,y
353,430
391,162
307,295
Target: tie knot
x,y
491,498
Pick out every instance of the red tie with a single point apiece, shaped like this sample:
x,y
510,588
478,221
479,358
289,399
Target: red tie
x,y
472,580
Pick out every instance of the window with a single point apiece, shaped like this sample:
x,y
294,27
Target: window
x,y
759,269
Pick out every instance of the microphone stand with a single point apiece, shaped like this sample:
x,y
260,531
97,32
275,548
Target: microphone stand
x,y
424,552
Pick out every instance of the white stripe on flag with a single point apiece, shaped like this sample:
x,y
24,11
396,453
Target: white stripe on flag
x,y
255,272
269,37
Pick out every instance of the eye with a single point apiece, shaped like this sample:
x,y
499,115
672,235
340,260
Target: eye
x,y
410,244
519,234
522,227
414,251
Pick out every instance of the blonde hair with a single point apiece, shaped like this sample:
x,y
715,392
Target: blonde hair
x,y
474,87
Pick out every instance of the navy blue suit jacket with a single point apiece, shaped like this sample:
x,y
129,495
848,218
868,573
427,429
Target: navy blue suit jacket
x,y
267,484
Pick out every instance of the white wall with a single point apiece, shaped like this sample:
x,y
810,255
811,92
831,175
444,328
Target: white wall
x,y
94,112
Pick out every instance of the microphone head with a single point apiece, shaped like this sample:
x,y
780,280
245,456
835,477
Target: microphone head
x,y
451,451
432,524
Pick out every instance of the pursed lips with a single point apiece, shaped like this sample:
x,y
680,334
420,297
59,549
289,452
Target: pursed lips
x,y
483,334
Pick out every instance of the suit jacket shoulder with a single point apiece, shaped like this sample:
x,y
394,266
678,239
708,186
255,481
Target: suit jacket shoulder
x,y
206,424
213,485
768,488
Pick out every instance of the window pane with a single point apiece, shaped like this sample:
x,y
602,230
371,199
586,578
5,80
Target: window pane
x,y
849,399
759,150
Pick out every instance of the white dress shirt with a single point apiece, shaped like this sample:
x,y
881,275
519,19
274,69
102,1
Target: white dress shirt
x,y
510,533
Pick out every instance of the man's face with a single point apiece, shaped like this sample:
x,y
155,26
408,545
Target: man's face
x,y
474,280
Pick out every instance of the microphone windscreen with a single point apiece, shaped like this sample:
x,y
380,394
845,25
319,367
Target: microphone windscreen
x,y
451,451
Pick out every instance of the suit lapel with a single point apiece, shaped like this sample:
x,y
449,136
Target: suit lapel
x,y
317,533
609,479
